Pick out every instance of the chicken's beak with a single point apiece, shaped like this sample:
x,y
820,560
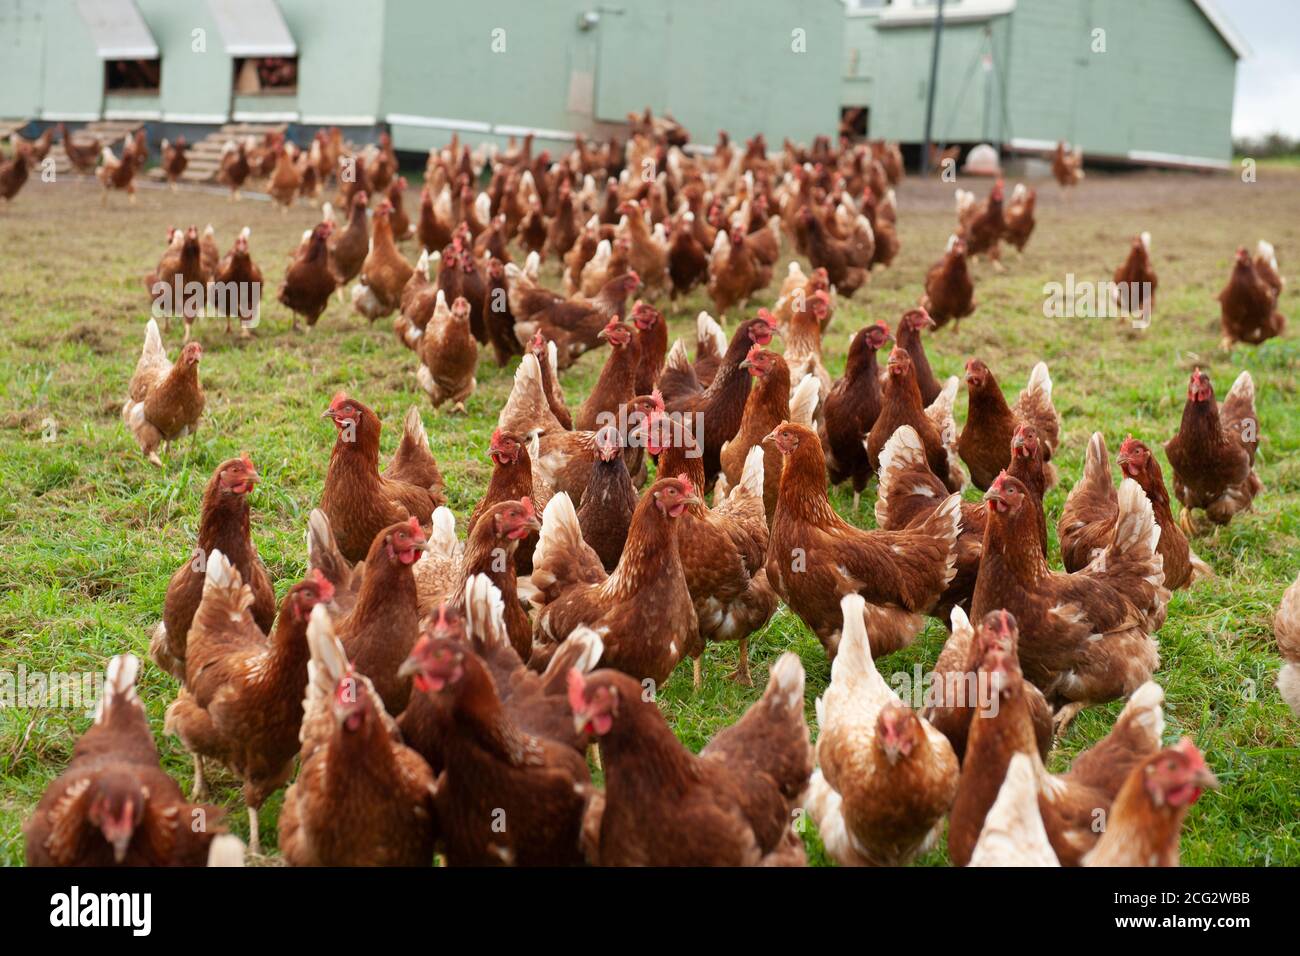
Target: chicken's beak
x,y
409,667
579,721
328,413
769,437
602,334
746,363
693,500
420,545
1205,779
1018,442
995,494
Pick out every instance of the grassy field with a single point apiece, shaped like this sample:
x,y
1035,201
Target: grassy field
x,y
91,532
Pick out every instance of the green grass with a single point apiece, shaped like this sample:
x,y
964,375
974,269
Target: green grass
x,y
92,532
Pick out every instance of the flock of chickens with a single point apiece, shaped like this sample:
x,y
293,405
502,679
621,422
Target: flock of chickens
x,y
444,695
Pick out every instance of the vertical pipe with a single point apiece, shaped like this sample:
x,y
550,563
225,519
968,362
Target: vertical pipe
x,y
934,78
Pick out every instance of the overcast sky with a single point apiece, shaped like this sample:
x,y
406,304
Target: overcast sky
x,y
1268,82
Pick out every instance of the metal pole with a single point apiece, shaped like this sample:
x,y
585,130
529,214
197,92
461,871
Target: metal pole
x,y
934,78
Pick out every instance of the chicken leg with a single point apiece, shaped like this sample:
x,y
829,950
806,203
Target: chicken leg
x,y
1066,714
200,789
741,674
254,838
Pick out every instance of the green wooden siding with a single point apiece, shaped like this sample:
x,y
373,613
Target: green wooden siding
x,y
964,90
713,65
195,82
22,51
73,74
1165,83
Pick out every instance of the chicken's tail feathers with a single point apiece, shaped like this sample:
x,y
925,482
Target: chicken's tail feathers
x,y
804,400
119,684
485,612
1040,382
558,546
785,685
580,651
323,550
226,849
902,456
853,656
442,533
1264,250
1243,389
1144,711
1096,465
1145,238
678,358
751,476
709,336
153,352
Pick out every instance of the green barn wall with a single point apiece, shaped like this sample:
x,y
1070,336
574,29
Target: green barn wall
x,y
667,54
72,75
22,52
1164,84
861,49
195,83
902,77
339,70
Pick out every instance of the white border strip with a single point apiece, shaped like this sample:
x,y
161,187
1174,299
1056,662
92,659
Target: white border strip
x,y
315,120
201,118
435,122
504,129
248,116
262,49
143,115
128,53
69,117
1174,159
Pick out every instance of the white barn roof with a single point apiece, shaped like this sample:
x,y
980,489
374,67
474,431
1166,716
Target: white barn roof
x,y
118,30
252,28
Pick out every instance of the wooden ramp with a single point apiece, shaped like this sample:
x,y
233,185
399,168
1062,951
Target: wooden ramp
x,y
205,155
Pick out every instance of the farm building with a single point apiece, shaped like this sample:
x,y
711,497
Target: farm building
x,y
1141,81
425,69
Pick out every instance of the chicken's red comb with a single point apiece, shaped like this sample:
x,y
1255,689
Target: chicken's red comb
x,y
1000,481
766,316
1190,751
687,487
414,524
1130,443
754,351
248,462
496,437
339,398
657,397
577,686
527,503
323,584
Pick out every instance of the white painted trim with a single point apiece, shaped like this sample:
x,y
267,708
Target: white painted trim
x,y
1045,145
322,120
1226,30
250,116
200,118
1175,159
128,53
143,115
262,49
434,122
1139,156
504,129
69,117
967,10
